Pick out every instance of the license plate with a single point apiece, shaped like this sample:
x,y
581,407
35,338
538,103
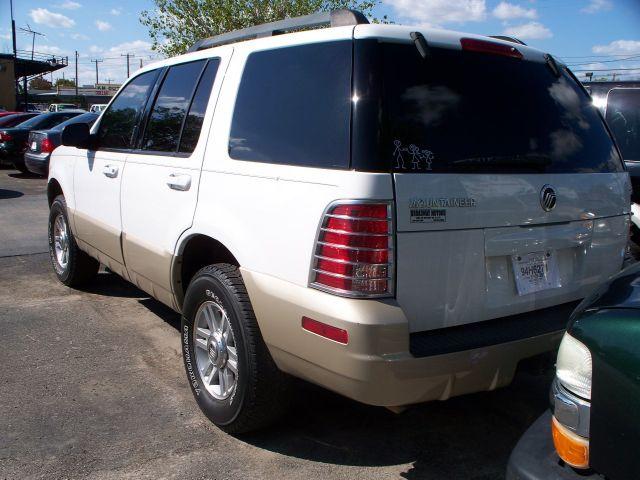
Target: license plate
x,y
34,145
535,272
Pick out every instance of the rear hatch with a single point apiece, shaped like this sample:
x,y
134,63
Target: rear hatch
x,y
35,141
510,193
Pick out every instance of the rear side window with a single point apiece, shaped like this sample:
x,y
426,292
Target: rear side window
x,y
293,107
623,117
120,120
473,112
170,108
195,117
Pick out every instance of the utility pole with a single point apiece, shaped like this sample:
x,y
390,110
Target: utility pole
x,y
128,55
33,37
140,63
76,73
97,61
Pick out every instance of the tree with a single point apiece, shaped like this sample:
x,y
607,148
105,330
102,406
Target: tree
x,y
175,25
64,83
40,83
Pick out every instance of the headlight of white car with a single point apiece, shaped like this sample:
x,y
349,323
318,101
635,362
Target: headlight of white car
x,y
574,368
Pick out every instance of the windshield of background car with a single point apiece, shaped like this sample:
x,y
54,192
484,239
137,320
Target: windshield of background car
x,y
460,111
623,117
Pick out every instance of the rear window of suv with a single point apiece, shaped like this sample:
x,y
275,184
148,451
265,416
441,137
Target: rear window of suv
x,y
472,112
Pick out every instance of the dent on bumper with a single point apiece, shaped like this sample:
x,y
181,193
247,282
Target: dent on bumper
x,y
535,458
376,366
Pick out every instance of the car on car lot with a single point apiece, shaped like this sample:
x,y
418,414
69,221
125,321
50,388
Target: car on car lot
x,y
15,119
97,107
622,112
59,107
13,140
42,142
5,113
292,196
594,424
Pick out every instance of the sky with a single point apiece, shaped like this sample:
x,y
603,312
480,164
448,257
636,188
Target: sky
x,y
589,35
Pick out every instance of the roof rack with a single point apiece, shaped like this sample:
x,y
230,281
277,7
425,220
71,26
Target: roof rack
x,y
334,18
508,39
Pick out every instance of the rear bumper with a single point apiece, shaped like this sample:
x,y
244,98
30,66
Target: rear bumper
x,y
37,163
376,366
535,458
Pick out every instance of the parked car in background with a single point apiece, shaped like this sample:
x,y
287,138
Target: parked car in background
x,y
6,113
593,427
30,107
59,107
622,112
42,142
98,107
15,119
370,213
13,141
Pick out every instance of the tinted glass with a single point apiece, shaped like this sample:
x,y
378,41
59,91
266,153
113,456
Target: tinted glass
x,y
47,120
13,120
88,118
623,117
293,106
193,124
475,112
119,122
170,108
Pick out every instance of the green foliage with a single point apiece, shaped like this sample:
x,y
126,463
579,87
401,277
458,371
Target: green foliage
x,y
40,83
175,25
64,83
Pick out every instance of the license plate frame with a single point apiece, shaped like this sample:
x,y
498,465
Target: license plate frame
x,y
536,272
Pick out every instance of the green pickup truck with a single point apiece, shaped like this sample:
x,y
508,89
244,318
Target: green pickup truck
x,y
593,428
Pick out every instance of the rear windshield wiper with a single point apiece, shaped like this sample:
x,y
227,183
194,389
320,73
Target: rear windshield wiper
x,y
421,44
527,161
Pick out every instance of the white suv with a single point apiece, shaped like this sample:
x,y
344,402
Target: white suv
x,y
398,216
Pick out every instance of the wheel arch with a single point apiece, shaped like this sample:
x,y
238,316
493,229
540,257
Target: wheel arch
x,y
53,190
195,251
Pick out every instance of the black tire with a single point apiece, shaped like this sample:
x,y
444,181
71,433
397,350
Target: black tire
x,y
261,392
80,268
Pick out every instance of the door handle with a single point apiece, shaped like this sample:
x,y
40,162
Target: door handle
x,y
110,171
179,182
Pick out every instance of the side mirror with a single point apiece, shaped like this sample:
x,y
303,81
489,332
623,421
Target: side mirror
x,y
76,135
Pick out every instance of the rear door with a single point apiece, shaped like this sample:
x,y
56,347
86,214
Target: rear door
x,y
98,172
162,175
510,194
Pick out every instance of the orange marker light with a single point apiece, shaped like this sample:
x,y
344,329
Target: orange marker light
x,y
571,448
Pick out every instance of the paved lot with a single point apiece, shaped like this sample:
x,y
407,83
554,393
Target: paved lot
x,y
92,386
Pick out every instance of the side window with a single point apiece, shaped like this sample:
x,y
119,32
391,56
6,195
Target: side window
x,y
170,108
293,107
119,121
195,117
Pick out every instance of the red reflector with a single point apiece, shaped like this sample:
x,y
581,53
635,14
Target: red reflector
x,y
333,333
482,46
356,240
47,146
5,137
360,226
375,210
361,256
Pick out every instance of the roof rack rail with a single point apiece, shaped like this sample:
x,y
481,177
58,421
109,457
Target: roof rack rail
x,y
334,18
508,39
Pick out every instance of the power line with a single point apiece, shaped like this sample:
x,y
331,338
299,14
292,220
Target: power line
x,y
606,70
606,61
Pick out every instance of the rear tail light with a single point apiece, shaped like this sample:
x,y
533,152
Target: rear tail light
x,y
47,146
483,46
5,137
353,254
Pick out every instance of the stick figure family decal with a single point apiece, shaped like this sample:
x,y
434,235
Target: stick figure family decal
x,y
419,159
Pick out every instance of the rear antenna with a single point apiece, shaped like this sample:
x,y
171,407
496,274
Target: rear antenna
x,y
421,44
551,62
